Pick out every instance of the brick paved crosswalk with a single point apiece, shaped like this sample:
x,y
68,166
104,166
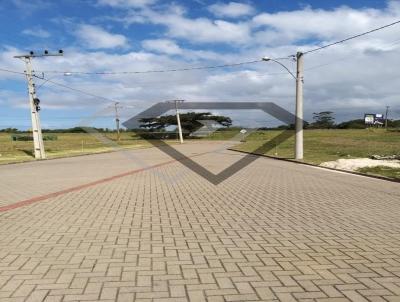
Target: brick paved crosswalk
x,y
275,231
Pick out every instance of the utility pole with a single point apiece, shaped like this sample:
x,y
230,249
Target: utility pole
x,y
299,77
117,119
386,117
178,119
34,102
299,107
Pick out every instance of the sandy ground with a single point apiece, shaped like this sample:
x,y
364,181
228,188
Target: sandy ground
x,y
357,163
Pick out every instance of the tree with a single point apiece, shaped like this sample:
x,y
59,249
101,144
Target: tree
x,y
352,124
324,120
10,130
189,121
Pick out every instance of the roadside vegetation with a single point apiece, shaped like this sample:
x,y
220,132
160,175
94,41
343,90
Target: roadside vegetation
x,y
323,140
323,145
382,170
68,144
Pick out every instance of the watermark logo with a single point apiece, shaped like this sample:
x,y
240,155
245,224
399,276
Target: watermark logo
x,y
268,107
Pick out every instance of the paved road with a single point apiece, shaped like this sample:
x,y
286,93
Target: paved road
x,y
110,227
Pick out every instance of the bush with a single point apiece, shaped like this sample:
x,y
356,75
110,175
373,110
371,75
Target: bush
x,y
27,137
158,135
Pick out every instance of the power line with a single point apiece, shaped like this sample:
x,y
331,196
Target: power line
x,y
352,37
61,85
75,89
156,71
343,58
12,71
145,71
207,67
213,66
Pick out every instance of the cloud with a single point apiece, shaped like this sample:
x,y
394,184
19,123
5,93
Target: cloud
x,y
37,32
318,24
197,30
207,31
127,3
350,79
231,9
349,87
170,47
279,28
95,37
162,46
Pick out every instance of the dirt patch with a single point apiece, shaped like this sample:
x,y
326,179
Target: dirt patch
x,y
357,163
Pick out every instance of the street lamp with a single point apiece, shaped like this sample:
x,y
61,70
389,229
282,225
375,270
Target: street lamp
x,y
277,62
299,102
66,74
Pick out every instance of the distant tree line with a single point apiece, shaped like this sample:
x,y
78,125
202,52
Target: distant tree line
x,y
189,122
61,130
326,120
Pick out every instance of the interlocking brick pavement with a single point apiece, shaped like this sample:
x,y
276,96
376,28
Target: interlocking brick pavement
x,y
275,231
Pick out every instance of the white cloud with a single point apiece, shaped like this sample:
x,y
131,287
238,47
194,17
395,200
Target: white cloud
x,y
127,3
162,46
96,37
207,31
37,32
318,24
231,9
354,77
198,30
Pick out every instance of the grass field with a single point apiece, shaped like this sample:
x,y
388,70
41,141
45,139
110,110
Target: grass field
x,y
67,144
325,145
381,170
319,145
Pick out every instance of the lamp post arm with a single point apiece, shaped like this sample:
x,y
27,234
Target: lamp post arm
x,y
287,69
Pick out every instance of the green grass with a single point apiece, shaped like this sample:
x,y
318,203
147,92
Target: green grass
x,y
319,145
325,145
67,144
381,170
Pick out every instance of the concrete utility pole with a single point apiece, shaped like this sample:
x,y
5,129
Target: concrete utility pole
x,y
34,105
34,102
178,119
117,119
386,117
299,77
299,107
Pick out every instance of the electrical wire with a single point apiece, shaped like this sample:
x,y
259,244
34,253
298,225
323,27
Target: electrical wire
x,y
351,38
61,85
346,58
154,71
75,89
11,71
215,66
228,65
202,67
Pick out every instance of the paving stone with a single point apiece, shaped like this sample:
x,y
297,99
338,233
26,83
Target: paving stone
x,y
274,231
